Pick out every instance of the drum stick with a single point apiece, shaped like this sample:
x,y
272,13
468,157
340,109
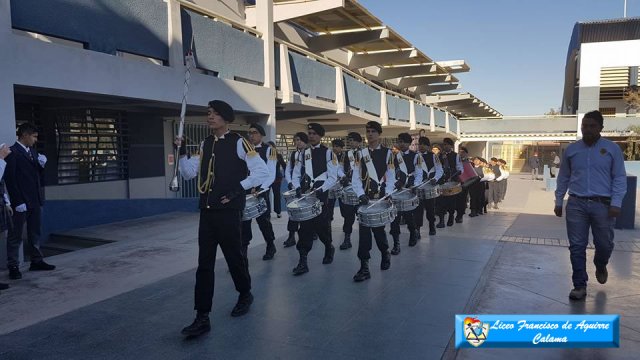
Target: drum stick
x,y
304,196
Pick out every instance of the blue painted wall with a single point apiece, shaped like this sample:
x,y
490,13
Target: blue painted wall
x,y
398,108
138,27
220,48
441,118
361,96
423,114
63,215
312,78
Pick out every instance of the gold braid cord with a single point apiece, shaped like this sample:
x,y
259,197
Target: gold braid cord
x,y
274,153
390,163
203,188
248,148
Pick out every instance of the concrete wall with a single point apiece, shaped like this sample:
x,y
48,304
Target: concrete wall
x,y
518,125
230,9
361,96
311,77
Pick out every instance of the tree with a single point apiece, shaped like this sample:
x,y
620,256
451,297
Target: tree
x,y
631,97
553,111
632,151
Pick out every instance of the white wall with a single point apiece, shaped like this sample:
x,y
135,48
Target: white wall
x,y
594,56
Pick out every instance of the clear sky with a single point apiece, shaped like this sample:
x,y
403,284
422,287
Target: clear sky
x,y
517,49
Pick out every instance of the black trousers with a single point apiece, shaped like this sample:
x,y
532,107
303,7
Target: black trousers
x,y
365,241
348,212
320,225
409,219
264,223
476,196
219,227
445,204
461,202
426,206
293,226
14,238
331,204
277,197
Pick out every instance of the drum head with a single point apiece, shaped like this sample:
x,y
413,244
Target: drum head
x,y
374,208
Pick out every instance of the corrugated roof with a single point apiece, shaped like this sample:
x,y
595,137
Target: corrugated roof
x,y
610,30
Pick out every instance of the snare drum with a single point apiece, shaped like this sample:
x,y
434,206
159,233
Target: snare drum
x,y
450,188
405,200
289,196
377,214
427,191
335,191
254,207
348,196
304,209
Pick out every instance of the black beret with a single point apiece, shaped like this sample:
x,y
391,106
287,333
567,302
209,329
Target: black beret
x,y
447,141
259,128
338,143
317,128
375,126
302,136
405,138
223,109
424,141
354,136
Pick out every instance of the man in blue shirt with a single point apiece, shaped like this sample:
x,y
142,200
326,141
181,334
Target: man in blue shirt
x,y
593,172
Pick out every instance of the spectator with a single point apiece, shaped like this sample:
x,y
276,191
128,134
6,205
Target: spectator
x,y
555,165
534,164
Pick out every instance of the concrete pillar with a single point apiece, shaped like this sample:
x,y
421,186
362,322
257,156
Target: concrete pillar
x,y
176,51
7,106
384,110
446,122
579,117
456,145
412,115
286,83
341,96
264,24
432,119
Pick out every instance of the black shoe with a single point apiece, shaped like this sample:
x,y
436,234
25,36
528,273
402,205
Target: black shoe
x,y
41,266
4,286
450,221
432,229
302,267
396,246
473,214
328,255
441,223
362,274
271,252
459,220
243,305
346,244
14,273
418,234
413,239
385,263
602,274
199,326
578,293
291,240
279,216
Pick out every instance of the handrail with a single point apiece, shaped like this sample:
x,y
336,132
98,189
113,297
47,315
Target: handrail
x,y
213,15
352,73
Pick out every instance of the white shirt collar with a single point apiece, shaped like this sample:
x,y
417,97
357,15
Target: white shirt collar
x,y
377,147
23,146
257,146
407,152
221,137
316,146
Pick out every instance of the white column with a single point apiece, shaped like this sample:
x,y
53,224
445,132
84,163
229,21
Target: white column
x,y
446,122
579,117
176,52
432,119
456,145
341,97
7,107
264,24
412,115
286,83
384,110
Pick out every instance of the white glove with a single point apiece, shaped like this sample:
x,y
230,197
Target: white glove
x,y
21,208
42,159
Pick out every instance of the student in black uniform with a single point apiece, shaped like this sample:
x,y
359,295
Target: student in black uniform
x,y
462,197
270,156
432,170
372,178
337,146
316,172
227,166
452,167
354,141
408,165
300,140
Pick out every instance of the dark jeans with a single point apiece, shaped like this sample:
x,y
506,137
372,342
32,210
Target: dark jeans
x,y
348,212
476,196
365,243
319,225
582,215
293,226
219,227
426,206
14,238
277,198
264,223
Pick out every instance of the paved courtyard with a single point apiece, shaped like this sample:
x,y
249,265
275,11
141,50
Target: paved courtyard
x,y
130,298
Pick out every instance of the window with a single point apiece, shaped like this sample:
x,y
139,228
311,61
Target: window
x,y
92,146
608,111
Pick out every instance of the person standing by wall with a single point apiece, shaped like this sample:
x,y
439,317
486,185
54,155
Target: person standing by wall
x,y
534,164
555,165
593,173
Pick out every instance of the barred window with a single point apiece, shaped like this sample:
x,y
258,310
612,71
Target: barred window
x,y
92,146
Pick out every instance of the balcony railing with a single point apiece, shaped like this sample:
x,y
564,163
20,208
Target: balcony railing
x,y
398,108
312,78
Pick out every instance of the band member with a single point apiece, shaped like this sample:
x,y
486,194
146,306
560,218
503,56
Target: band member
x,y
300,140
354,141
462,197
408,165
270,156
489,176
317,172
504,170
494,192
372,178
431,171
337,146
476,190
452,167
222,200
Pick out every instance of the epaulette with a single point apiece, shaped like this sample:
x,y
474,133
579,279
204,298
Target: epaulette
x,y
248,148
419,159
334,158
390,164
274,153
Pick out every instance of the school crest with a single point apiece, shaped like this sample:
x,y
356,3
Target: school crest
x,y
475,331
603,151
367,159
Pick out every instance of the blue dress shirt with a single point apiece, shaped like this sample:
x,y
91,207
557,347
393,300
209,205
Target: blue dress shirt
x,y
596,170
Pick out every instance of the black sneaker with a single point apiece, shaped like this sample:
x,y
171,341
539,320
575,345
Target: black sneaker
x,y
243,305
41,266
578,293
14,273
602,274
198,327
